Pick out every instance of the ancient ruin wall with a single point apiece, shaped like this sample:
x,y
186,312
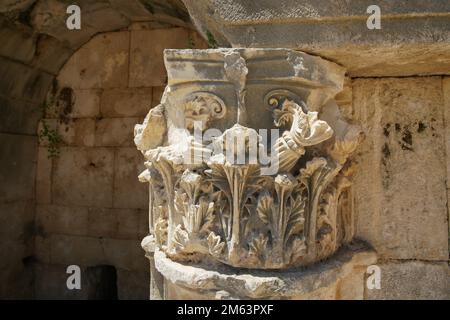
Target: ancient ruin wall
x,y
91,208
402,179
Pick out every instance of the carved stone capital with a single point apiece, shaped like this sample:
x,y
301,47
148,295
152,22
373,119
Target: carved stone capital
x,y
241,196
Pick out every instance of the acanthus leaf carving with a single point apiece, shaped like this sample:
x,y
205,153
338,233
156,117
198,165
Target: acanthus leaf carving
x,y
203,107
258,248
215,244
221,207
284,217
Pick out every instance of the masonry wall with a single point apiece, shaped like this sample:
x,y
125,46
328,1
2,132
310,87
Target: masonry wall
x,y
91,210
86,207
25,79
401,185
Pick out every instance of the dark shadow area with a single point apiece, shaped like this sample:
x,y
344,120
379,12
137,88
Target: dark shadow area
x,y
102,283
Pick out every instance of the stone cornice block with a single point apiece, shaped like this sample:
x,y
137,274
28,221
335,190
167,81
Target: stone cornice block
x,y
414,38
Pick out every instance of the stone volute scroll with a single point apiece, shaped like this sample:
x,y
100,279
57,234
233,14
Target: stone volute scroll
x,y
249,167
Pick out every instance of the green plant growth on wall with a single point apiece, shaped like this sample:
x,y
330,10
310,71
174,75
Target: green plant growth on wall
x,y
53,139
191,42
211,40
47,106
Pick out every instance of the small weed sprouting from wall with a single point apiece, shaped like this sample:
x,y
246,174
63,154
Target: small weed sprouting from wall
x,y
47,106
191,42
52,137
59,103
212,43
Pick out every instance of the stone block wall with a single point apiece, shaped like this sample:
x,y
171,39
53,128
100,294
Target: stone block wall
x,y
401,185
23,86
35,44
86,206
91,209
401,97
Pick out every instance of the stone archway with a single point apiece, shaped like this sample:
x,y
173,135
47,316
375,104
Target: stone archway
x,y
36,45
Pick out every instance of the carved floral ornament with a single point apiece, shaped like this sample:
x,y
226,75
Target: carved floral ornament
x,y
215,209
203,107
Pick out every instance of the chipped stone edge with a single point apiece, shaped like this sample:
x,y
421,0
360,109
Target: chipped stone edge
x,y
260,284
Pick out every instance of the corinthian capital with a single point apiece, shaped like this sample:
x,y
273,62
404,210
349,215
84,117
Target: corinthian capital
x,y
218,204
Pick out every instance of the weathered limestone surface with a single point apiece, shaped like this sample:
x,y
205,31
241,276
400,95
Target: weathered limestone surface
x,y
50,54
25,83
61,219
197,281
15,155
17,267
127,193
86,104
78,132
35,48
114,132
49,16
446,92
71,103
93,222
43,177
126,102
133,285
413,280
17,174
14,123
13,5
414,37
35,45
66,249
83,176
21,91
101,63
400,191
214,212
352,286
91,208
147,63
16,44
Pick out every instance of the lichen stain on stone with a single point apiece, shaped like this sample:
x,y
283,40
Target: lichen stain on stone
x,y
54,87
93,165
386,152
65,104
386,130
434,135
421,127
407,139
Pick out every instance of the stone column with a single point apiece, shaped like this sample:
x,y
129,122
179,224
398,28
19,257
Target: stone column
x,y
249,165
